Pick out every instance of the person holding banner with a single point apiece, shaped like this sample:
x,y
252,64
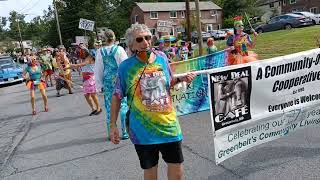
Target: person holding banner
x,y
145,79
239,44
107,62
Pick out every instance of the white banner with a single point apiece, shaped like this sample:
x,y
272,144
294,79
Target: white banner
x,y
258,102
86,24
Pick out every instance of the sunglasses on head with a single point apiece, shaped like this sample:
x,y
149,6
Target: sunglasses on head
x,y
140,39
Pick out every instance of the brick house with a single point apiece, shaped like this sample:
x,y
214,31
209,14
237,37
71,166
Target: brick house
x,y
301,5
168,17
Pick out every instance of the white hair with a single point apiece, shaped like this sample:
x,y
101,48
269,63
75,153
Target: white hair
x,y
135,28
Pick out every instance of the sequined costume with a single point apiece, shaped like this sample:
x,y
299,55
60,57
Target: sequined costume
x,y
35,81
241,42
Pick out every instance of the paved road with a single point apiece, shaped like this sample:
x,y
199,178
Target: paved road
x,y
67,144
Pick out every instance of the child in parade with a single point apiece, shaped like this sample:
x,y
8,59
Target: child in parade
x,y
211,47
183,51
168,50
32,74
239,44
89,84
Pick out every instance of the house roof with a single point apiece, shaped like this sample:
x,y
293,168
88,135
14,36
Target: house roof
x,y
265,2
176,6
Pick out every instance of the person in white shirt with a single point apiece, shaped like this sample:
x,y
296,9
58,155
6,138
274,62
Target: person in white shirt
x,y
107,62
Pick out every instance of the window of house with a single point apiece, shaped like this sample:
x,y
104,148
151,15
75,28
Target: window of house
x,y
314,10
219,26
213,12
182,14
209,27
153,15
292,1
172,31
271,5
173,14
153,31
284,2
135,18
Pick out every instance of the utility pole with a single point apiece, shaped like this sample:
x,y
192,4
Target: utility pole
x,y
199,29
57,19
188,29
21,43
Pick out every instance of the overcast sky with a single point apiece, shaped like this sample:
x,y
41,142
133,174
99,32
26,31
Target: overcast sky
x,y
31,7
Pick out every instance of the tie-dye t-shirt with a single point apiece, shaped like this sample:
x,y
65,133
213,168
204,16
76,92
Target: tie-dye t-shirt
x,y
153,119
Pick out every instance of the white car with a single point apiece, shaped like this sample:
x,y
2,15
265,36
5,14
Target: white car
x,y
218,34
194,36
314,17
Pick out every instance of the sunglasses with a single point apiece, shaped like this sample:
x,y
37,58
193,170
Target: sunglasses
x,y
140,39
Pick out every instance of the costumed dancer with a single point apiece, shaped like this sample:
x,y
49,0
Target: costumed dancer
x,y
32,74
61,62
46,65
239,44
89,84
108,59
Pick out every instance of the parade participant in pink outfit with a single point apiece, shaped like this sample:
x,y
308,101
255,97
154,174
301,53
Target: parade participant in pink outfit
x,y
89,84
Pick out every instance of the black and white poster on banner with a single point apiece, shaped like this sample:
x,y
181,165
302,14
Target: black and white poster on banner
x,y
261,101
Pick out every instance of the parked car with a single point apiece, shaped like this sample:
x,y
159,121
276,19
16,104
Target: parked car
x,y
194,36
314,17
286,21
228,30
10,71
218,34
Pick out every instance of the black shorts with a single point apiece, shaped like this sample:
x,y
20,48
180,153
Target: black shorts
x,y
149,154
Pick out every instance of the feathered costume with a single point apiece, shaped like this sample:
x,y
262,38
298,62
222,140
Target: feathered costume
x,y
241,42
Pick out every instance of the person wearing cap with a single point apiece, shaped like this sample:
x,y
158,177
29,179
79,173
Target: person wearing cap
x,y
89,84
46,65
108,59
167,49
182,50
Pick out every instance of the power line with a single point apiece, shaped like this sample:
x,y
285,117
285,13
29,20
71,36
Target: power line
x,y
25,6
33,5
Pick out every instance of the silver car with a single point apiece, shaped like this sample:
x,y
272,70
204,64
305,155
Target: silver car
x,y
314,17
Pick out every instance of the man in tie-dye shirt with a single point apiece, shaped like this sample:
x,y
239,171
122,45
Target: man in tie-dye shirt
x,y
145,79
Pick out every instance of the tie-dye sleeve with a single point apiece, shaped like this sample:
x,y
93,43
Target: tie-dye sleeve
x,y
163,55
118,90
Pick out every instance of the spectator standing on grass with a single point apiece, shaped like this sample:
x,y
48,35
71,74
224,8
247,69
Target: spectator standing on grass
x,y
211,47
